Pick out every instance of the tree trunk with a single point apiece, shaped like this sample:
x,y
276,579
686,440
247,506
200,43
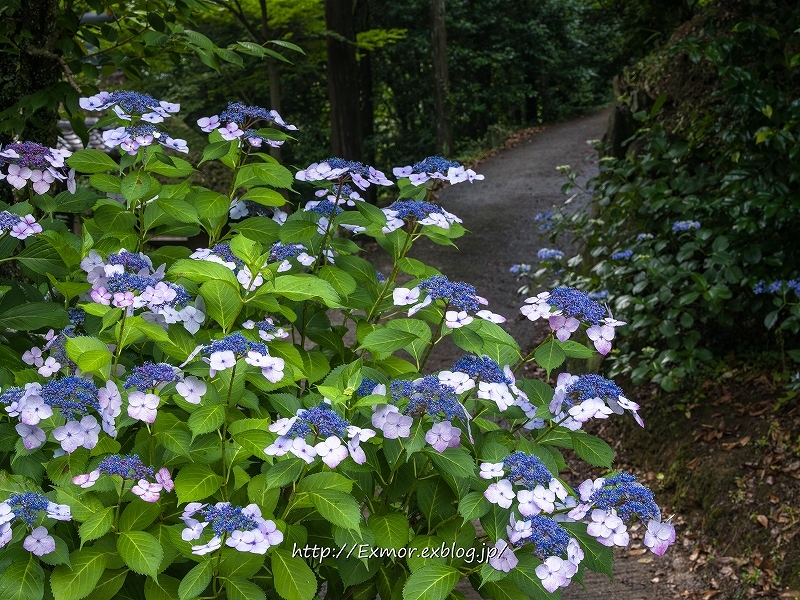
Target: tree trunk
x,y
343,88
441,79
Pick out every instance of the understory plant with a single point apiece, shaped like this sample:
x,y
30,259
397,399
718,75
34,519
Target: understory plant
x,y
255,418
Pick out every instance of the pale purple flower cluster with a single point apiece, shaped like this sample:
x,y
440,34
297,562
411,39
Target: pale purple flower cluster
x,y
549,254
335,437
542,495
128,281
26,508
566,308
455,295
239,209
29,162
149,482
343,171
18,227
578,399
224,353
143,112
424,213
610,502
242,528
266,328
237,123
436,167
685,225
74,398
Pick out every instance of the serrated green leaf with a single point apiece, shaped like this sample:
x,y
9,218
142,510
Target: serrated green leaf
x,y
337,507
196,482
473,506
196,581
550,356
91,161
239,588
79,580
97,525
141,552
431,582
139,515
391,531
294,580
592,449
207,419
22,580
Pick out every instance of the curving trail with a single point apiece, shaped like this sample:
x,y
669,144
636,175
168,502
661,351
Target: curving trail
x,y
499,214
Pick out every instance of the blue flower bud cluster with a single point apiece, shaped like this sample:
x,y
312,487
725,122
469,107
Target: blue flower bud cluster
x,y
414,209
280,252
127,466
150,375
527,470
76,315
225,519
26,506
352,166
548,538
623,255
224,252
430,396
366,387
322,420
434,164
685,225
236,112
593,386
549,254
630,498
73,396
236,343
133,263
325,208
29,154
481,368
575,303
132,102
520,269
457,294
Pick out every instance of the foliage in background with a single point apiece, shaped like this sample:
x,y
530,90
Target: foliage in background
x,y
694,234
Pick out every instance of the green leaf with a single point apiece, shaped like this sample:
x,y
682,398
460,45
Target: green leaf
x,y
341,281
105,183
592,449
216,150
200,271
431,582
97,525
284,472
240,564
91,161
294,580
271,174
82,504
337,507
22,580
196,482
473,506
391,531
387,340
239,588
265,197
179,210
207,419
196,581
30,316
137,185
574,349
223,303
550,356
306,287
325,481
139,515
78,581
453,461
141,552
110,583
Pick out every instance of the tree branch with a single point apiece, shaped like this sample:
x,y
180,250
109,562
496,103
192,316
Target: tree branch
x,y
61,61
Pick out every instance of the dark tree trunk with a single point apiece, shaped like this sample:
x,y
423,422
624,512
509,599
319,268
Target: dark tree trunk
x,y
441,79
367,105
343,88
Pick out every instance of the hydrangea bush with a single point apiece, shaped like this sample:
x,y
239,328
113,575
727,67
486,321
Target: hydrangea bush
x,y
255,418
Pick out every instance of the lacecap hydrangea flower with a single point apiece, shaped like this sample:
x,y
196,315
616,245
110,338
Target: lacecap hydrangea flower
x,y
26,508
436,167
237,122
343,171
149,482
18,227
338,439
566,308
461,298
242,528
22,163
144,112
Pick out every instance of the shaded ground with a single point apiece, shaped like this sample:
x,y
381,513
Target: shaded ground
x,y
733,478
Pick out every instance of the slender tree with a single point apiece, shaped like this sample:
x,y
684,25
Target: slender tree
x,y
441,79
343,81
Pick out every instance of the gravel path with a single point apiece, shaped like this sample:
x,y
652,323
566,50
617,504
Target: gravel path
x,y
499,214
